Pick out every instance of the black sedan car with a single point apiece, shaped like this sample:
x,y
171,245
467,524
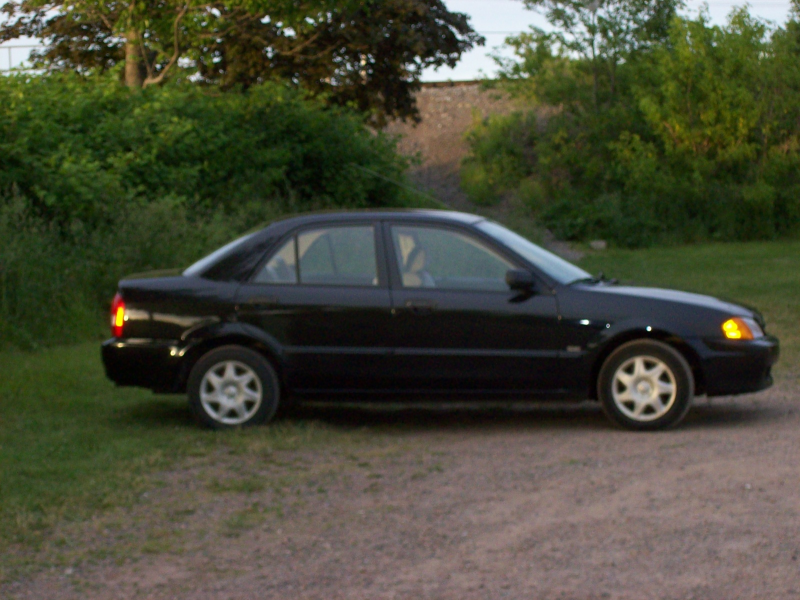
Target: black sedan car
x,y
422,303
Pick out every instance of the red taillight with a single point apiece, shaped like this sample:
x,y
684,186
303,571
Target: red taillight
x,y
117,316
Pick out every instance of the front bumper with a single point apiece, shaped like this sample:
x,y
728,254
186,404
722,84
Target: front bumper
x,y
737,367
152,364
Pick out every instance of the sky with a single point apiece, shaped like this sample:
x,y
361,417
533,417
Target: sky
x,y
496,20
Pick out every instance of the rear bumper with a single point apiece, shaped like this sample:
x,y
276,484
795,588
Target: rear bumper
x,y
736,367
152,364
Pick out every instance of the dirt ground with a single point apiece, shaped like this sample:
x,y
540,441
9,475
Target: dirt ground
x,y
492,502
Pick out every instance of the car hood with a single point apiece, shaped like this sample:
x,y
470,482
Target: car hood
x,y
687,298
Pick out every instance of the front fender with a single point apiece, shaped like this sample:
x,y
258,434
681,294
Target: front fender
x,y
591,342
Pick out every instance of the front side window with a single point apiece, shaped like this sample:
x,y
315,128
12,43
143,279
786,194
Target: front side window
x,y
325,256
555,266
431,257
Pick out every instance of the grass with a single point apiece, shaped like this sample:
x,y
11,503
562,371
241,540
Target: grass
x,y
73,446
765,275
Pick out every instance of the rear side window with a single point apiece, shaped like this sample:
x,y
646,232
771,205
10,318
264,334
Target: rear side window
x,y
325,256
201,266
282,267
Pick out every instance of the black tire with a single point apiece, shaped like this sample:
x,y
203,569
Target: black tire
x,y
233,386
645,385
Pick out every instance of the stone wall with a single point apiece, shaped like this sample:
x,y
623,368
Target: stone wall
x,y
447,111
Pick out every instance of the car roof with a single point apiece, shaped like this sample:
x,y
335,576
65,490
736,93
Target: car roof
x,y
410,214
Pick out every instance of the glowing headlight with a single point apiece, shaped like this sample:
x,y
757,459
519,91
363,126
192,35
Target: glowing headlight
x,y
741,328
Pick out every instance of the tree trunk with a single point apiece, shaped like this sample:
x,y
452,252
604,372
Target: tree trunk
x,y
134,77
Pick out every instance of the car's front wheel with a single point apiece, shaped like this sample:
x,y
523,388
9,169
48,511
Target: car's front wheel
x,y
645,385
233,386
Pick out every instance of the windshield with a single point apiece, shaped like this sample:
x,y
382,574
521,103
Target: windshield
x,y
201,265
557,268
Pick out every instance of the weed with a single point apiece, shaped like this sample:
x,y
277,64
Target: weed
x,y
247,518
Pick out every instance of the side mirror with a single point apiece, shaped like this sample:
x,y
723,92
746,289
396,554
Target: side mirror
x,y
521,280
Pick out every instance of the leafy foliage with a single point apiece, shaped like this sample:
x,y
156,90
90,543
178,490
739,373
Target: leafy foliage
x,y
498,159
78,150
97,182
371,54
56,287
691,135
601,34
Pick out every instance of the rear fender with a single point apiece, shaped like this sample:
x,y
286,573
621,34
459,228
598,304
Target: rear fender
x,y
201,341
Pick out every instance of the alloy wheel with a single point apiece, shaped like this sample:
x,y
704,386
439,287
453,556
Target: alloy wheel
x,y
230,392
644,388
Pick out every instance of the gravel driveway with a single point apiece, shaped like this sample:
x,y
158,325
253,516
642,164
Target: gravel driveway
x,y
500,502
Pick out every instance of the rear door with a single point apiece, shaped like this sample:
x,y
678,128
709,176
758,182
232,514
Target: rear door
x,y
322,297
457,326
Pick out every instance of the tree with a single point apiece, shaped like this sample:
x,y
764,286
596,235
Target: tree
x,y
712,89
684,132
370,53
146,37
595,35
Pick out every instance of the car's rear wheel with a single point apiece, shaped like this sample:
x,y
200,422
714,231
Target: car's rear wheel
x,y
233,386
646,385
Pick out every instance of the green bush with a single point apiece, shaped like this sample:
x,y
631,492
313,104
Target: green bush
x,y
97,182
77,149
497,161
57,288
693,135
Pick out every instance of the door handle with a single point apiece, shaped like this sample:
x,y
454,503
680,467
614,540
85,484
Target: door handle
x,y
261,301
420,307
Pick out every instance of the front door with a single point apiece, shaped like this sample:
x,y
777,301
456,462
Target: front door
x,y
457,326
323,301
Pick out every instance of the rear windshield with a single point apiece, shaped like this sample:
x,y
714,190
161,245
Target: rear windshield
x,y
198,268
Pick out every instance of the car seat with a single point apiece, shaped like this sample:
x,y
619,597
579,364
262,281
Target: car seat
x,y
414,273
